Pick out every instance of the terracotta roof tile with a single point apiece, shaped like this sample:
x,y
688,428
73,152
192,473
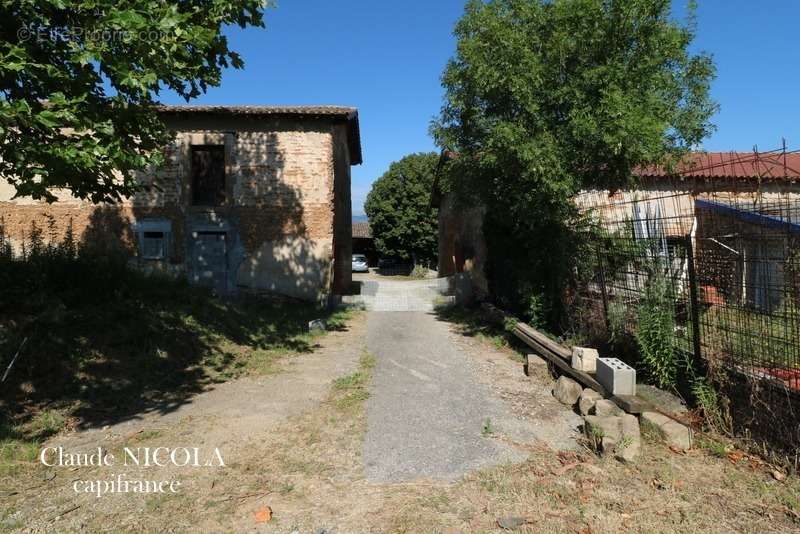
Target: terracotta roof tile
x,y
742,165
362,230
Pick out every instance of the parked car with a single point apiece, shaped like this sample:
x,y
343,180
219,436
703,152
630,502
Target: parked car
x,y
390,265
360,264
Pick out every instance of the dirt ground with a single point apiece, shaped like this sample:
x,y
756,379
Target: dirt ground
x,y
292,447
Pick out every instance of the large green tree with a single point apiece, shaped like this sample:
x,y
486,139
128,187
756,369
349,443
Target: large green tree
x,y
547,97
401,217
79,79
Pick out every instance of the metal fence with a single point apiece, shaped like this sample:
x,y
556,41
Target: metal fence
x,y
710,283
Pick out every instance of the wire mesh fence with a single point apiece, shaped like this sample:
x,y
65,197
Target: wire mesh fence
x,y
684,285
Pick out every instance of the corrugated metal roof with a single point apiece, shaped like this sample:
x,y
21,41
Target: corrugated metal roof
x,y
741,165
362,230
349,114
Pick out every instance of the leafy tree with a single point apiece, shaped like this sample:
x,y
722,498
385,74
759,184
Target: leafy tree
x,y
78,82
401,217
545,98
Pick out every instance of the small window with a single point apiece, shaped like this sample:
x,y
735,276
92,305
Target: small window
x,y
155,239
153,246
208,175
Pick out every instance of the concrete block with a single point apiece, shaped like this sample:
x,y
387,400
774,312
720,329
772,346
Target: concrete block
x,y
587,401
672,432
606,407
616,376
567,391
584,359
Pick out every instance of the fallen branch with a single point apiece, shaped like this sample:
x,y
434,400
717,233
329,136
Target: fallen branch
x,y
13,360
65,512
245,496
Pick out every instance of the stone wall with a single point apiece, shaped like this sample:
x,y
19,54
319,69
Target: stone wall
x,y
286,181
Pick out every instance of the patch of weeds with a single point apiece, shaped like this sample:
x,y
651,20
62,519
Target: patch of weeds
x,y
337,321
45,424
595,437
155,503
650,432
714,447
145,435
487,429
285,488
10,524
709,402
497,480
624,443
351,390
14,454
790,500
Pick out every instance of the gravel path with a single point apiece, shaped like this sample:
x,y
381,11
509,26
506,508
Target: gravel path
x,y
429,416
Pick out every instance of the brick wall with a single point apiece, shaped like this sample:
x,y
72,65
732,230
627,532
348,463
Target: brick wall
x,y
286,180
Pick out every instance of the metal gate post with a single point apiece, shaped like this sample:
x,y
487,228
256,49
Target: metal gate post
x,y
694,300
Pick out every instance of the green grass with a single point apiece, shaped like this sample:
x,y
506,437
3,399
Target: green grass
x,y
487,429
351,390
753,338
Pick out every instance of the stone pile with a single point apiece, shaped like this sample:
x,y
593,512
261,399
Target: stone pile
x,y
612,431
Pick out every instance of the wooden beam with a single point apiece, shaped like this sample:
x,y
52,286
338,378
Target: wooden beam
x,y
583,378
544,341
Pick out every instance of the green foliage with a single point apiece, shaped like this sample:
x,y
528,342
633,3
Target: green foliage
x,y
617,320
487,429
78,82
546,98
752,337
419,272
536,311
350,391
655,332
709,401
402,220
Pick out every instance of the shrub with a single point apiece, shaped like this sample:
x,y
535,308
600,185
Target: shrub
x,y
655,331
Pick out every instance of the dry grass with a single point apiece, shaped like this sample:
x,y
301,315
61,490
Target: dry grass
x,y
309,471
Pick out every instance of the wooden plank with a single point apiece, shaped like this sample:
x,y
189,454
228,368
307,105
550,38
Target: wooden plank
x,y
561,357
565,367
544,341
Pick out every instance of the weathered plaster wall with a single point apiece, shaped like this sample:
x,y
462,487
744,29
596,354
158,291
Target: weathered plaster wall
x,y
675,198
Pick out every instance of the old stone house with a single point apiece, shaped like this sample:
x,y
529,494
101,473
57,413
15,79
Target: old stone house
x,y
254,197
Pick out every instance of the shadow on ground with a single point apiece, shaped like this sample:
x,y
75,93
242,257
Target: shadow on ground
x,y
134,344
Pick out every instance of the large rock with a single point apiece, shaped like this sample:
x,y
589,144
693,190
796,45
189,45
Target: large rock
x,y
630,444
672,432
587,401
603,432
614,435
606,407
567,391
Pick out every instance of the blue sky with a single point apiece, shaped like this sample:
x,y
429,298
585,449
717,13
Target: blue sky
x,y
386,59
